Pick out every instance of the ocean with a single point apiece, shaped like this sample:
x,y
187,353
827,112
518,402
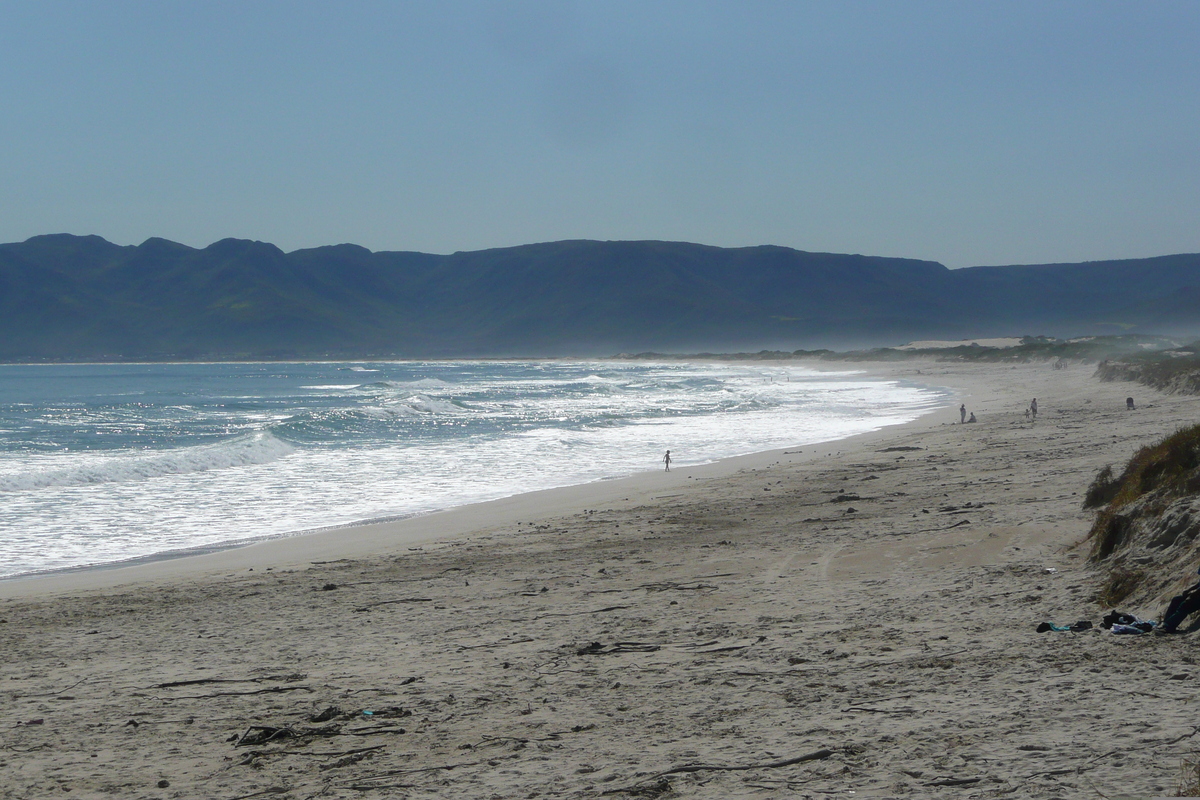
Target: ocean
x,y
104,463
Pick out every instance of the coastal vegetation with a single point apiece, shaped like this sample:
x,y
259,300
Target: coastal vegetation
x,y
1145,531
1026,349
1175,371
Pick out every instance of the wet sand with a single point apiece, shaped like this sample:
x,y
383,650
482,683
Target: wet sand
x,y
855,617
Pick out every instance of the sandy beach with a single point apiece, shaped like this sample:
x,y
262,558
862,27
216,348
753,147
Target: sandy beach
x,y
857,617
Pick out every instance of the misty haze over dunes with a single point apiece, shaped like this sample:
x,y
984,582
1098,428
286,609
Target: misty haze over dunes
x,y
82,297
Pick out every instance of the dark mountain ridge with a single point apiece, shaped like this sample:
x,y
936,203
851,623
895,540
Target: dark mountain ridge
x,y
65,297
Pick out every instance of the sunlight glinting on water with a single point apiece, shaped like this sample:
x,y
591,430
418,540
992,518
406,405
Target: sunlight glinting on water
x,y
103,463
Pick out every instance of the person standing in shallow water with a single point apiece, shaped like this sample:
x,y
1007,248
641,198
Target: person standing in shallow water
x,y
667,460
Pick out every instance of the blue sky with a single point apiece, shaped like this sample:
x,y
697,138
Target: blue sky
x,y
963,132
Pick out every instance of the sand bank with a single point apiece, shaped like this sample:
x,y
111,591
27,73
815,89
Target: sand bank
x,y
870,604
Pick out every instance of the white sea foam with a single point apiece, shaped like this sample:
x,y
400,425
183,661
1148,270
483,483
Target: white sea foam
x,y
408,386
391,412
256,448
85,480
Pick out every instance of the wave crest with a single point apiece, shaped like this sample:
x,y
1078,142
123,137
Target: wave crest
x,y
416,405
251,449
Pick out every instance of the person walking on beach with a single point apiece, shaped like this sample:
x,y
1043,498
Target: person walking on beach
x,y
1033,408
667,460
962,413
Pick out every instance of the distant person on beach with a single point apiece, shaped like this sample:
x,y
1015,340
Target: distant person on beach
x,y
972,418
1033,408
1129,404
667,460
962,413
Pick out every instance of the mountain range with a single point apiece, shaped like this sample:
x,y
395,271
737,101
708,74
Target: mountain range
x,y
66,297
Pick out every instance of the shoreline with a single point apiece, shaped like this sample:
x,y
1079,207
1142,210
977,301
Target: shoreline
x,y
372,538
860,617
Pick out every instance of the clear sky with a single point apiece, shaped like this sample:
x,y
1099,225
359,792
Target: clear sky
x,y
963,132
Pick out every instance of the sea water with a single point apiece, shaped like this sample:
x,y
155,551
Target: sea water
x,y
104,463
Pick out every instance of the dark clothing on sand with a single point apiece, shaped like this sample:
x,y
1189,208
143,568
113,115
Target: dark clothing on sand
x,y
1180,607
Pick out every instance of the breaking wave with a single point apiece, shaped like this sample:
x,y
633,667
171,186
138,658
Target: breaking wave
x,y
209,454
408,386
417,405
251,449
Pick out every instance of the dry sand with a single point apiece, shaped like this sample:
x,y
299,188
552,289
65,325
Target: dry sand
x,y
668,635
